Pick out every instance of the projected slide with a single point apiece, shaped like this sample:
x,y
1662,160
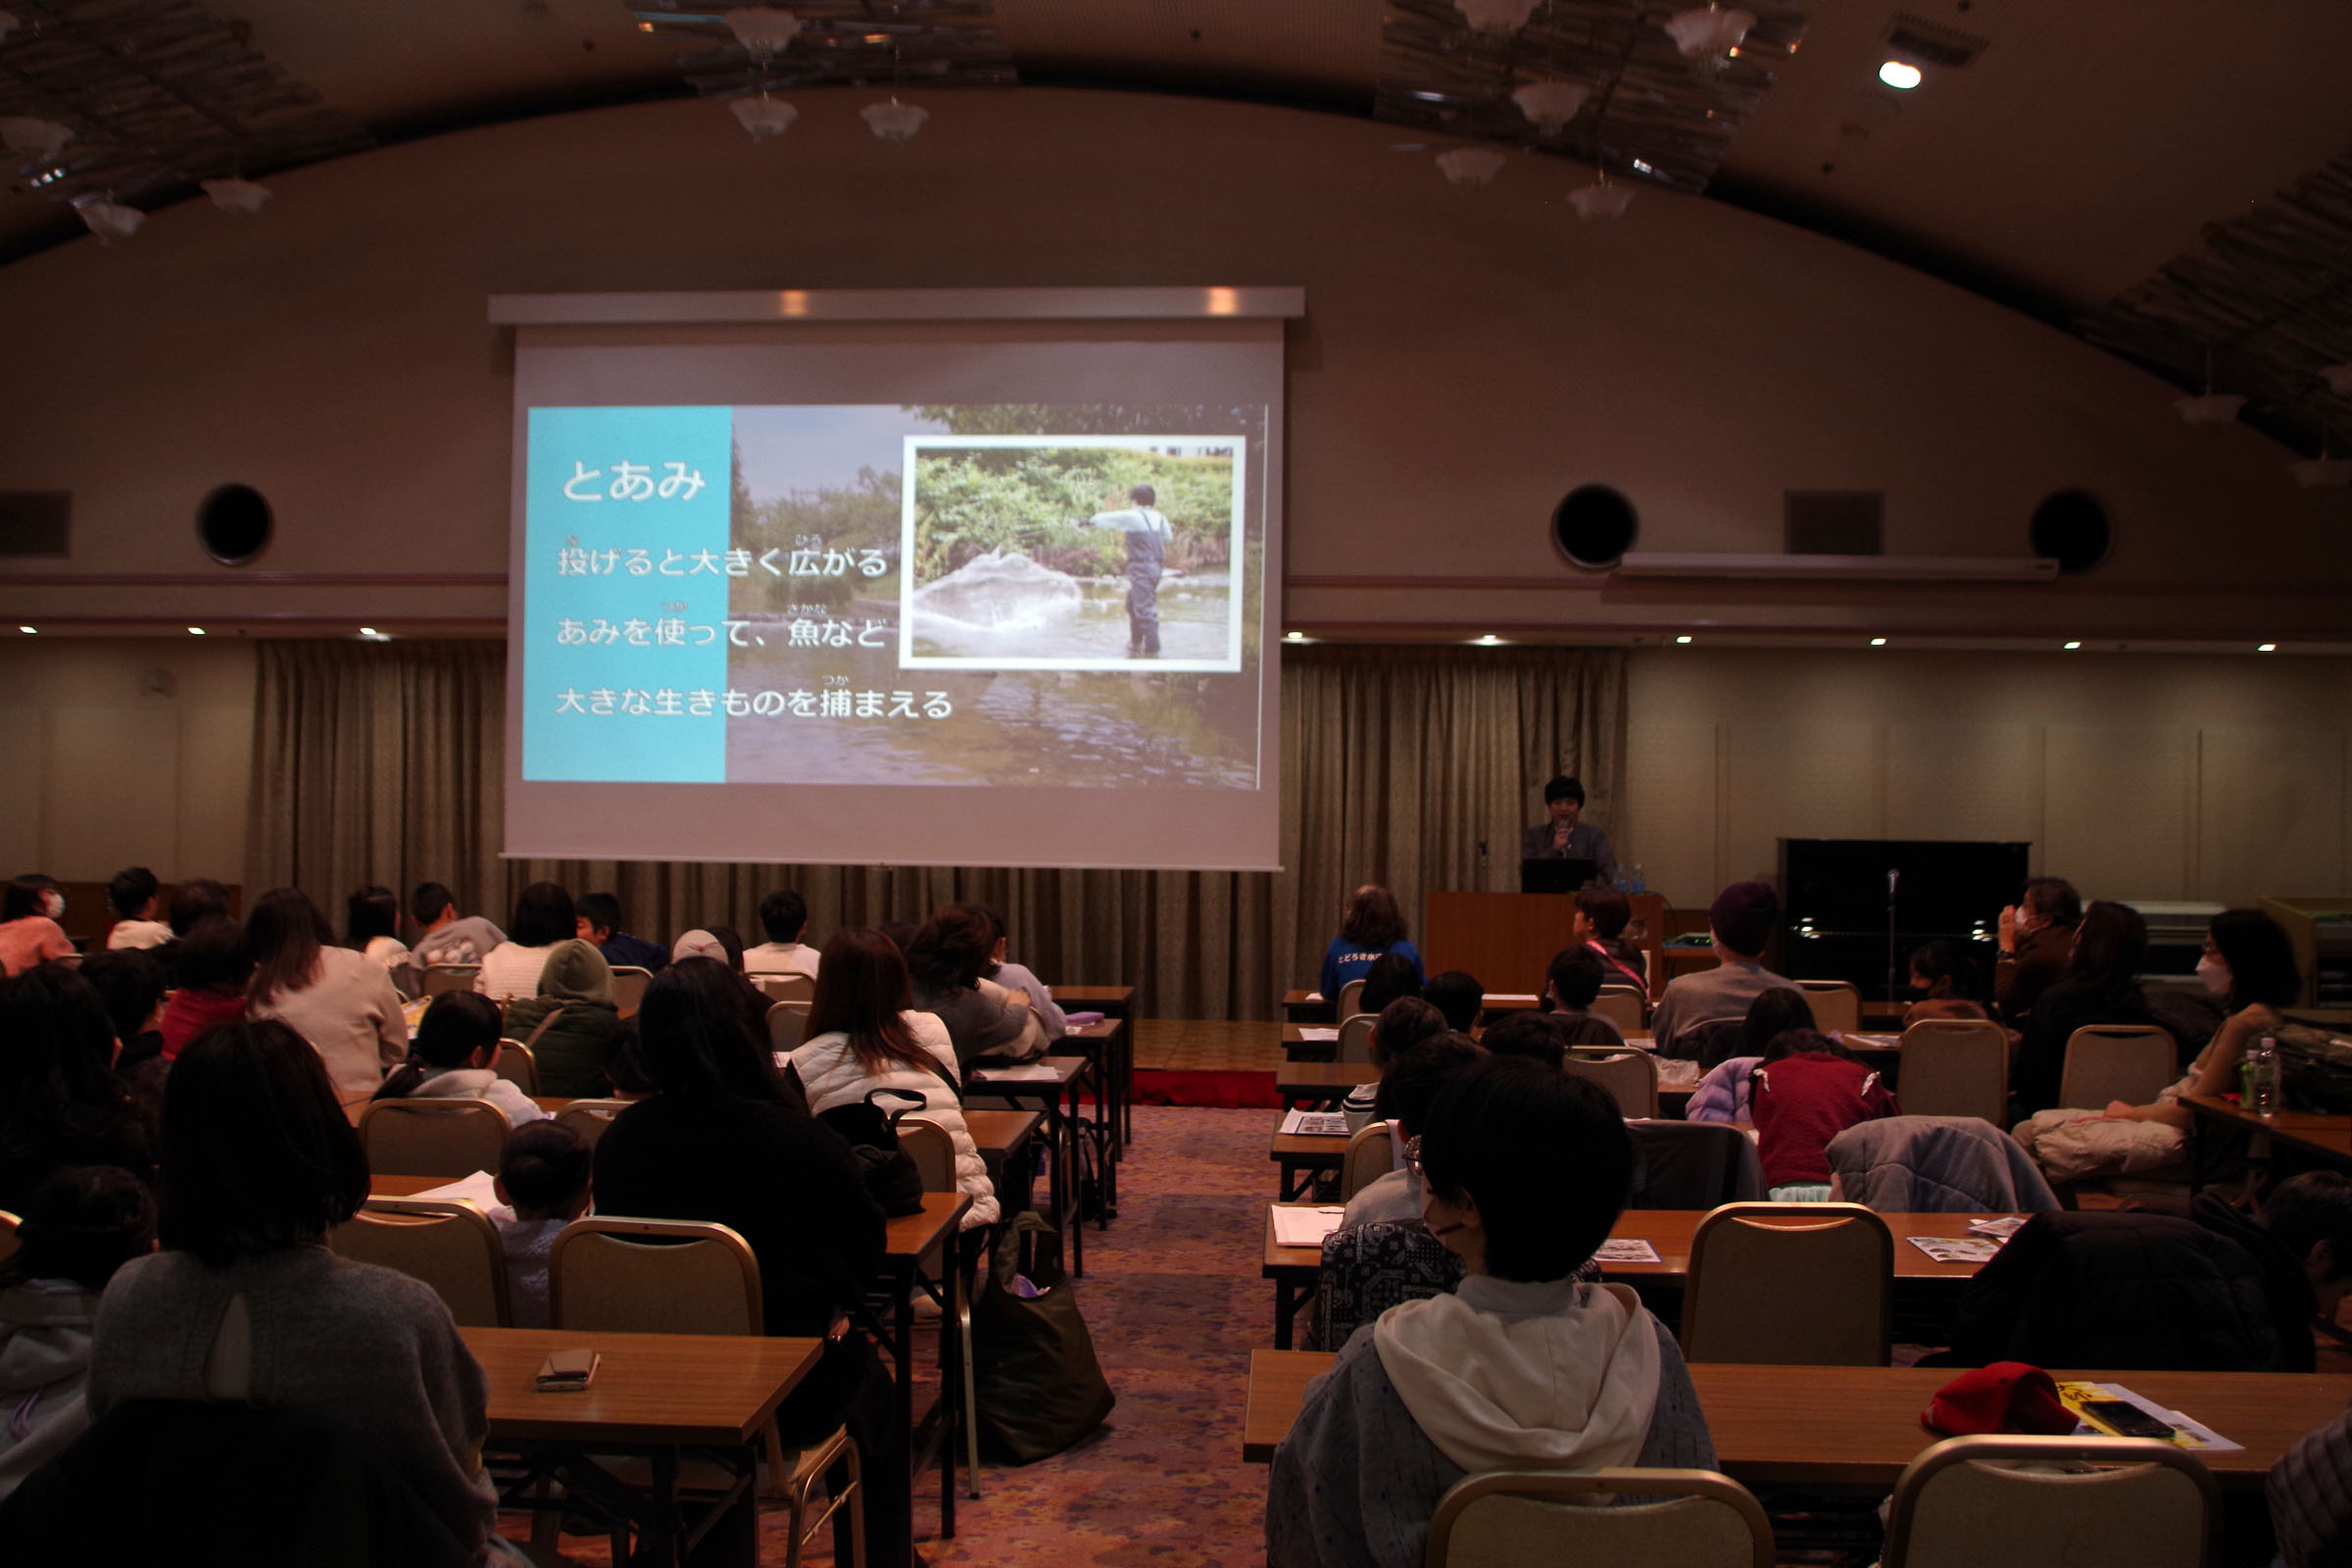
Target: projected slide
x,y
997,594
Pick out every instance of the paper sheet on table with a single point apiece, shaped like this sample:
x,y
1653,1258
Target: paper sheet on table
x,y
1318,1032
1305,1227
1858,1039
1026,1072
1303,1122
1957,1249
2192,1435
477,1189
2006,1226
1626,1250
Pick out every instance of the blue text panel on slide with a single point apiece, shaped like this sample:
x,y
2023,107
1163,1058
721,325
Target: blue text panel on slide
x,y
625,598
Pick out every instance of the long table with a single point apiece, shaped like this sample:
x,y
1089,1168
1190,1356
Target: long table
x,y
1060,1096
1859,1426
1116,1004
2328,1138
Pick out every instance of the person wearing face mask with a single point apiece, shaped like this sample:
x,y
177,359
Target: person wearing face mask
x,y
2250,965
30,933
2037,938
1946,983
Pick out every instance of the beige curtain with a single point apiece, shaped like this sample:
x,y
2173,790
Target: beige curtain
x,y
1413,767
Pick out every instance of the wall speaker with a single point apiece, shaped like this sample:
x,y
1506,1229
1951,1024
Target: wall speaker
x,y
2070,528
1594,526
234,524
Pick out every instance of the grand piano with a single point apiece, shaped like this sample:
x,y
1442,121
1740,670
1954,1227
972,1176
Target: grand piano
x,y
1845,897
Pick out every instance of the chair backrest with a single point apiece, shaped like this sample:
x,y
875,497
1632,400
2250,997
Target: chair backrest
x,y
590,1117
653,1276
440,977
1623,1007
1792,1284
787,1025
1538,1518
1355,1038
2105,1062
786,986
1369,1268
1370,1155
933,1151
431,1137
8,1235
451,1247
1350,1000
1694,1164
1956,1067
628,987
1837,1004
1967,1501
1710,1044
517,1065
1631,1076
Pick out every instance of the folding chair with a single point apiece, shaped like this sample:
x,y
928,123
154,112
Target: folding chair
x,y
1371,1154
517,1065
628,987
787,1025
1837,1004
1790,1284
1623,1007
451,1247
435,1137
590,1117
1630,1076
1956,1067
934,1153
786,986
2107,1062
1541,1518
1349,1002
1967,1501
1355,1038
440,977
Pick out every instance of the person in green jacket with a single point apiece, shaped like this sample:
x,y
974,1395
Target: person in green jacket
x,y
575,1003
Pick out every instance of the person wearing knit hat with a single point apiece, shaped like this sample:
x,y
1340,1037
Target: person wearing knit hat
x,y
1742,917
572,1025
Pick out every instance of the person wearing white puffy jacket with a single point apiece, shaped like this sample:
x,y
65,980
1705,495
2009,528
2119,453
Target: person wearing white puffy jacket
x,y
865,1034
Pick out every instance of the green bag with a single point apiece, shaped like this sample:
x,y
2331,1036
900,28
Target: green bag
x,y
1037,1387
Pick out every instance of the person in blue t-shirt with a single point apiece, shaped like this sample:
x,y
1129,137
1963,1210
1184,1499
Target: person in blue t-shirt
x,y
1374,927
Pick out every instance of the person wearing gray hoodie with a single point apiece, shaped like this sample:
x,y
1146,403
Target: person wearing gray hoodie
x,y
572,1025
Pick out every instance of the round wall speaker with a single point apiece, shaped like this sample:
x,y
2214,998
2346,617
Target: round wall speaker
x,y
234,524
1594,526
2071,528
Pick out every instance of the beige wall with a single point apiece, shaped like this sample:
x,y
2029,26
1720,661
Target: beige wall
x,y
110,771
1469,355
2137,776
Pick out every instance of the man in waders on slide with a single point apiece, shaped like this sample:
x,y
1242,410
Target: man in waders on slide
x,y
1148,534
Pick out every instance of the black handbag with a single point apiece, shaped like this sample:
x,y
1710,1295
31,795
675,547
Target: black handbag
x,y
1037,1386
873,1134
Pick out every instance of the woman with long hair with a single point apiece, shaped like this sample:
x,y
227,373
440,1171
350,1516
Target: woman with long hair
x,y
1374,926
60,1101
2100,985
343,1003
372,925
544,920
864,1035
947,961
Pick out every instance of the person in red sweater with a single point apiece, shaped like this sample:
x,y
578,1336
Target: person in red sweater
x,y
1809,1089
213,963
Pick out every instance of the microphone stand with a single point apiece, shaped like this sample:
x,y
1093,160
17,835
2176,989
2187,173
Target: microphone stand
x,y
1893,877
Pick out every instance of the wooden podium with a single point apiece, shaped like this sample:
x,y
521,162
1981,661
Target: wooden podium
x,y
1507,939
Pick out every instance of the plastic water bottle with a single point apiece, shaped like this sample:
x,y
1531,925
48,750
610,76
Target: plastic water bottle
x,y
2261,1077
1635,884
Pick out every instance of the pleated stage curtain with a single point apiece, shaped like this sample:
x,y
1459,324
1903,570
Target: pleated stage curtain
x,y
1413,767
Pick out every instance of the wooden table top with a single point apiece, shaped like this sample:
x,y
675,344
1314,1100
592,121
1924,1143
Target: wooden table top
x,y
1108,1029
1095,999
1295,1034
1314,1150
2322,1134
1311,1076
1064,1068
687,1389
1668,1231
1859,1425
1002,1131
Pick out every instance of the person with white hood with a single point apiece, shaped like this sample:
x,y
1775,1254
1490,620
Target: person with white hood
x,y
455,1056
1523,1368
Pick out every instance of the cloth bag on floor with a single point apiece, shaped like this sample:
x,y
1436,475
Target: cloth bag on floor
x,y
1037,1387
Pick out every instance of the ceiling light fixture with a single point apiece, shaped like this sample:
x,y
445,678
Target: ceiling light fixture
x,y
1601,198
1684,638
1878,642
34,138
2209,407
1502,18
1709,30
1293,636
2266,647
195,631
29,631
242,197
1490,640
1900,75
109,221
2071,647
763,117
894,120
762,29
1470,165
2321,472
1550,104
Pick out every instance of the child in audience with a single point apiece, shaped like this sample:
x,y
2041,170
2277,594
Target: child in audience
x,y
130,982
1374,926
80,1226
1457,995
784,916
1406,1091
372,927
1723,1093
572,1023
1946,983
454,1057
443,936
1523,1368
601,922
130,894
1601,917
29,930
1401,1025
1391,976
1537,1036
191,904
543,1179
1570,986
212,965
1808,1090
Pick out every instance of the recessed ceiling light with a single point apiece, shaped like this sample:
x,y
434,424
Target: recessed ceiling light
x,y
195,631
1490,640
1642,168
29,631
1684,638
1900,75
370,631
2266,647
1293,636
1878,642
2071,647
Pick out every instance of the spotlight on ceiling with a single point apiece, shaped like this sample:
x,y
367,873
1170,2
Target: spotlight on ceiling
x,y
1684,638
29,631
1550,104
1600,200
1709,30
2266,647
763,117
1900,75
195,631
1490,640
1293,636
2071,647
1878,642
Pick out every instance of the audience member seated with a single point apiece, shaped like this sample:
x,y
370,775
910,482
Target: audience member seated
x,y
1809,1089
1374,926
342,1003
372,928
445,936
2036,940
60,1102
864,1035
1017,978
2248,961
730,944
722,1142
901,933
454,1057
131,895
544,919
2100,985
130,981
212,965
246,1303
1456,994
2310,1492
1524,1367
1726,1092
1741,918
1400,1025
1600,922
29,934
1570,986
2215,1291
699,942
1406,1091
985,1021
600,920
784,916
191,902
1538,1037
1391,976
543,1182
571,1024
78,1227
1946,983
